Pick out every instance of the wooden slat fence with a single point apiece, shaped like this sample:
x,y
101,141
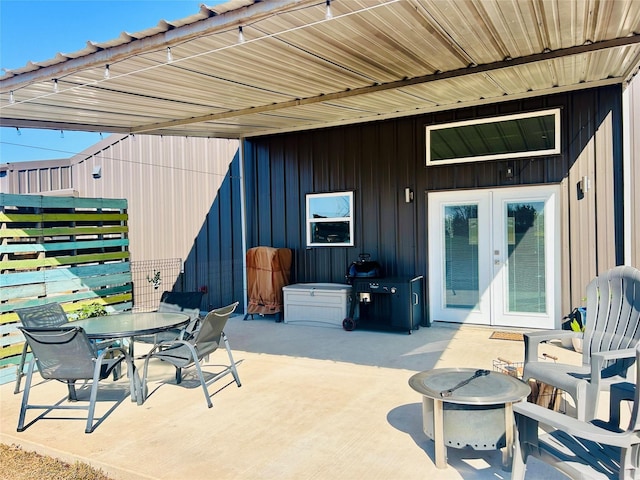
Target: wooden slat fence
x,y
74,251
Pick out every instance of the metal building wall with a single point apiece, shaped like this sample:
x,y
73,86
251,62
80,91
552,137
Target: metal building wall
x,y
379,160
169,182
183,204
38,177
634,171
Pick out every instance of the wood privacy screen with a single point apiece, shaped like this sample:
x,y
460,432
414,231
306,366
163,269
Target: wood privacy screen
x,y
73,251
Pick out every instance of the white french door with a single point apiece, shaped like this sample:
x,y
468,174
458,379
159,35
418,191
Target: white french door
x,y
494,256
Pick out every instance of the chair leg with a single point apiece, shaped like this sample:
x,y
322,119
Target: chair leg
x,y
73,397
93,396
20,370
25,396
232,366
204,384
585,410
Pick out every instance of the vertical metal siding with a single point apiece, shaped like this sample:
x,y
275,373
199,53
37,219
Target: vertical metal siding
x,y
380,160
634,173
179,194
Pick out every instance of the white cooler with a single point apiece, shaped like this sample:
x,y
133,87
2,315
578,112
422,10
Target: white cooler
x,y
316,302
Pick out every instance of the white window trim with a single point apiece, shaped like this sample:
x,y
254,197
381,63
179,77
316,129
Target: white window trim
x,y
532,153
310,220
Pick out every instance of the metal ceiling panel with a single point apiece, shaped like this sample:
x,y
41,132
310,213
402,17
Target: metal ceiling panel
x,y
297,69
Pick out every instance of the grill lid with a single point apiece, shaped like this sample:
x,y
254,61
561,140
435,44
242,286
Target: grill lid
x,y
363,268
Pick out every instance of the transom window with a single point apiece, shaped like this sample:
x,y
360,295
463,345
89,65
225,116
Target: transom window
x,y
330,219
508,136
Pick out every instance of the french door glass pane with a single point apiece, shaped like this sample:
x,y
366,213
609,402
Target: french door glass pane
x,y
526,265
461,256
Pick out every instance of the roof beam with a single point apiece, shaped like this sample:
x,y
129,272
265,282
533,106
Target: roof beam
x,y
471,70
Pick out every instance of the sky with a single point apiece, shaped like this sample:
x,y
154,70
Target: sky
x,y
38,30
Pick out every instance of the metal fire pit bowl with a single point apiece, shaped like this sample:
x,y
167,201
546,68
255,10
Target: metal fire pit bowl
x,y
474,415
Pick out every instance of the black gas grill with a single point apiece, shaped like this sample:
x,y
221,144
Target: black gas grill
x,y
386,303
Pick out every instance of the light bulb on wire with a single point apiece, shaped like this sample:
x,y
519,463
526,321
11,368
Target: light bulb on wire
x,y
328,15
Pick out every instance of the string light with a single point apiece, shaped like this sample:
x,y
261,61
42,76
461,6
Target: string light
x,y
107,73
55,85
169,55
328,15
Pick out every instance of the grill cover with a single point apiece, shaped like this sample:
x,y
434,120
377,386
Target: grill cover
x,y
268,270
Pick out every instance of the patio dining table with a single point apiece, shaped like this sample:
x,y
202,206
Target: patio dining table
x,y
130,325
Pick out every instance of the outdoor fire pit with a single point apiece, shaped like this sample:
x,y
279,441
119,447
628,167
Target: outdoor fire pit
x,y
468,408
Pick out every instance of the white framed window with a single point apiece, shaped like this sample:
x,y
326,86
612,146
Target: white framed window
x,y
508,136
330,219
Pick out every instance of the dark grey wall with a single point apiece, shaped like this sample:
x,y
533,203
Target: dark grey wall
x,y
378,161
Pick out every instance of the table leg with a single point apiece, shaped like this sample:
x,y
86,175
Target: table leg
x,y
438,434
507,454
138,395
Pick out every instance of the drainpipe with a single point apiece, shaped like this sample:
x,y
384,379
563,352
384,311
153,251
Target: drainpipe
x,y
243,224
627,97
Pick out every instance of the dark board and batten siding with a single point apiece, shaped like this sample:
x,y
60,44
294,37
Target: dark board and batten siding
x,y
379,160
69,250
215,261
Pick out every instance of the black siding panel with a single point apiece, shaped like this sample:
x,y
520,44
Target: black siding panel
x,y
379,160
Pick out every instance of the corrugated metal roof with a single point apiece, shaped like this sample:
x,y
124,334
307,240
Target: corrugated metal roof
x,y
298,70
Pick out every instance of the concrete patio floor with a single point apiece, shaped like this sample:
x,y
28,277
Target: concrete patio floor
x,y
316,402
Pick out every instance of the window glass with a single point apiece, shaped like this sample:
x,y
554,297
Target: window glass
x,y
330,219
511,136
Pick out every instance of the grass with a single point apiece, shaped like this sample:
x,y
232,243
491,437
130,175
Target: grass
x,y
18,464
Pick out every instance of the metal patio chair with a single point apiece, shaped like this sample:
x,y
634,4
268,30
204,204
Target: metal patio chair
x,y
66,354
186,353
611,333
576,448
47,315
177,302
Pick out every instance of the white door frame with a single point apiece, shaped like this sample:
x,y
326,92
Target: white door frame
x,y
491,307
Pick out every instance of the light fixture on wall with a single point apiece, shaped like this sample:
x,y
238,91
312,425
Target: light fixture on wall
x,y
240,35
55,85
169,55
408,195
584,184
97,171
508,173
107,73
12,99
328,15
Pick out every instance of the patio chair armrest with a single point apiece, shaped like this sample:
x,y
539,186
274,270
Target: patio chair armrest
x,y
532,341
598,360
105,351
573,426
